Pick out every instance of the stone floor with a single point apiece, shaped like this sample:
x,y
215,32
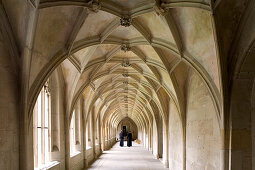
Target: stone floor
x,y
135,157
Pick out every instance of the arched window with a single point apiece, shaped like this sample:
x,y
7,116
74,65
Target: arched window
x,y
88,133
97,132
41,127
75,144
72,134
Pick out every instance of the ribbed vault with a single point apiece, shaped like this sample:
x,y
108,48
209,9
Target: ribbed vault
x,y
182,71
126,58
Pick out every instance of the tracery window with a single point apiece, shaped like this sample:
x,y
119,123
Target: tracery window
x,y
41,127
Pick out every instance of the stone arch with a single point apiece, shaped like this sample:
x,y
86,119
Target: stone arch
x,y
131,123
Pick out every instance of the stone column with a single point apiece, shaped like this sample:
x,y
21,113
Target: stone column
x,y
99,133
83,132
77,123
89,129
67,142
26,133
93,132
184,144
103,140
165,144
55,116
240,118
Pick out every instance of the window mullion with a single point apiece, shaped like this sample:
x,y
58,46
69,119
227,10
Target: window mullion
x,y
49,122
35,136
42,125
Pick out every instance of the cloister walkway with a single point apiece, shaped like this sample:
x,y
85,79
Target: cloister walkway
x,y
135,158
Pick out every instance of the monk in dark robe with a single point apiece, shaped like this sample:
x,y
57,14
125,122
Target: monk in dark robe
x,y
121,139
129,139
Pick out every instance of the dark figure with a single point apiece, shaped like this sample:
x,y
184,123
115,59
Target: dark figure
x,y
129,139
124,132
121,139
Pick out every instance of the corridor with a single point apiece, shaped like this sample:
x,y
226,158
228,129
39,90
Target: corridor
x,y
135,157
179,75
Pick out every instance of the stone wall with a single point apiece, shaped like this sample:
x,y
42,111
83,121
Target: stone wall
x,y
9,116
242,116
202,128
98,152
76,162
155,140
109,143
175,139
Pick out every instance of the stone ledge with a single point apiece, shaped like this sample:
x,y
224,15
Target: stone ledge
x,y
48,165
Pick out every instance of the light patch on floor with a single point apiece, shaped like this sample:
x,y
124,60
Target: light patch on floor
x,y
135,158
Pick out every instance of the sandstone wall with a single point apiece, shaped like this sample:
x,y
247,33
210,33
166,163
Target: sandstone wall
x,y
202,129
175,139
9,115
155,139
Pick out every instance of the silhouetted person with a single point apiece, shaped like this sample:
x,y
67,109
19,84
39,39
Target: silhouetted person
x,y
121,139
129,139
124,132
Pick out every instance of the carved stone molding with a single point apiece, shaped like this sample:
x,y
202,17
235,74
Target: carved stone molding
x,y
34,3
125,75
125,21
125,63
125,47
160,9
125,82
94,5
47,87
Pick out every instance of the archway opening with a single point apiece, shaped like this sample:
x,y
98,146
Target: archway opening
x,y
130,126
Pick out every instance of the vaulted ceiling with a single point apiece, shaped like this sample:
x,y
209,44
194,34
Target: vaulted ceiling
x,y
126,57
127,54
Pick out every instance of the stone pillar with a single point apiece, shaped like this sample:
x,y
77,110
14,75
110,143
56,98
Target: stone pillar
x,y
55,116
165,144
26,141
103,134
93,131
150,139
77,123
89,130
67,142
83,132
25,133
99,133
184,145
240,110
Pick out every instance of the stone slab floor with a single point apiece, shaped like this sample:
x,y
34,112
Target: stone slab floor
x,y
127,158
